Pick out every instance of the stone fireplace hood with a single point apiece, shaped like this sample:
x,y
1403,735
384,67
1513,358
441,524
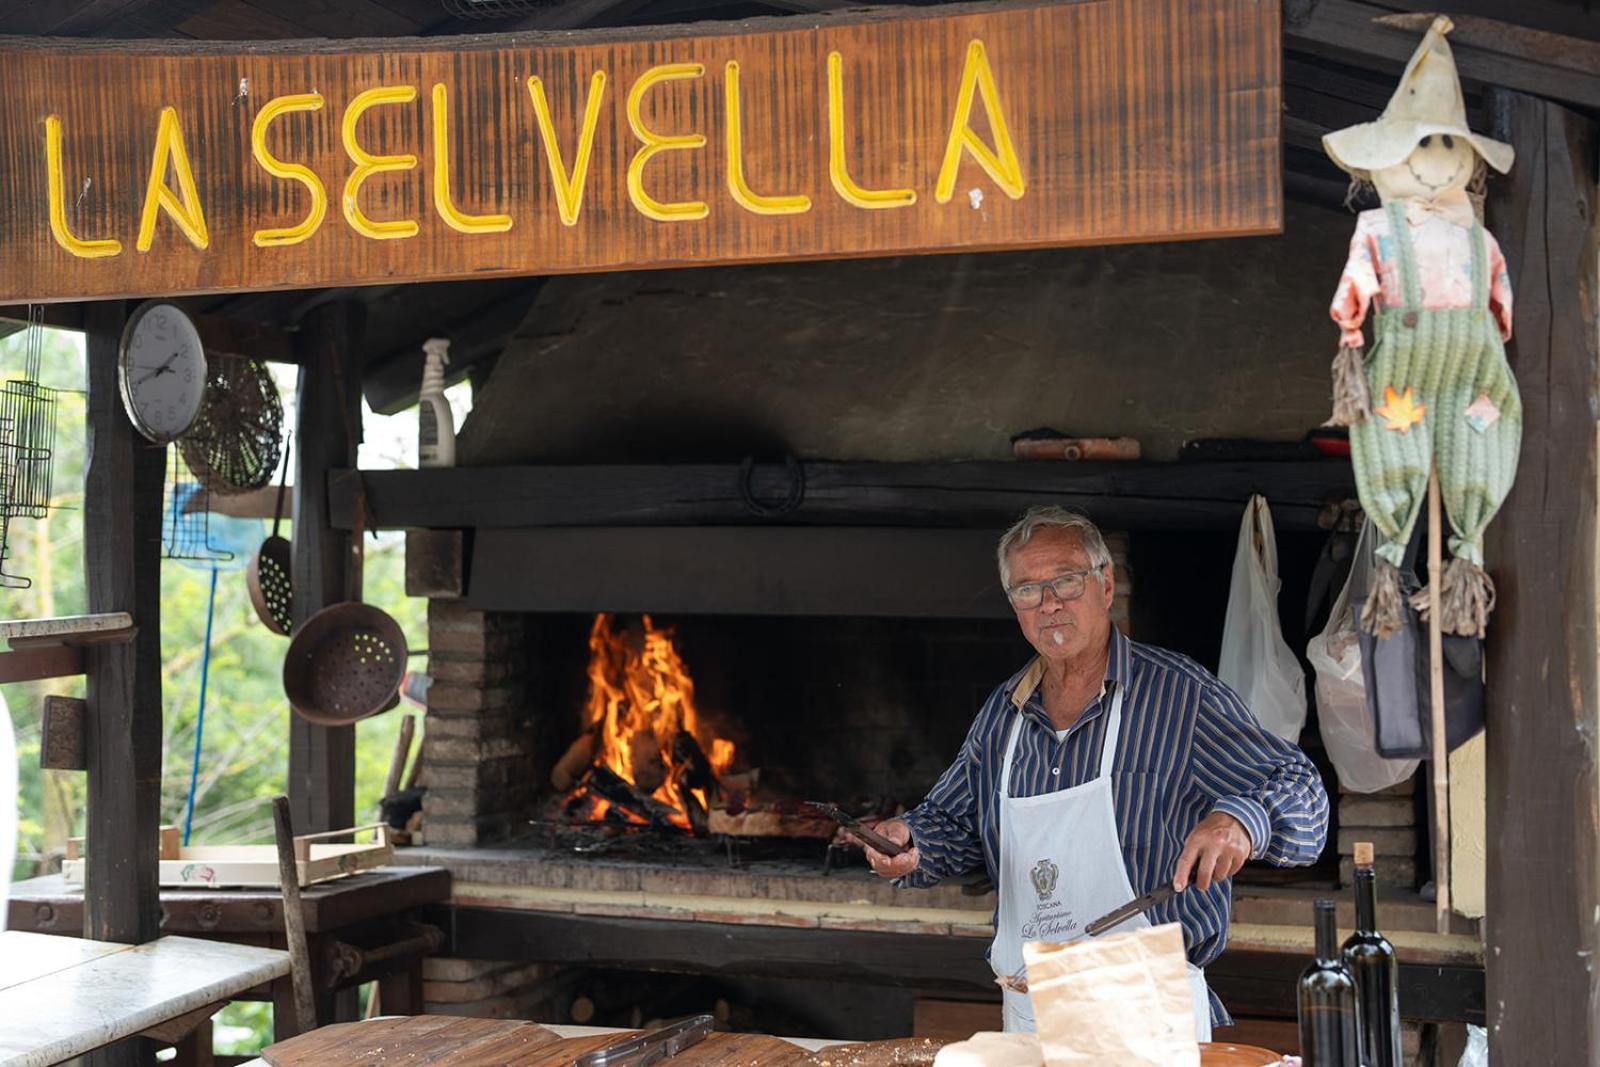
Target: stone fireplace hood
x,y
873,539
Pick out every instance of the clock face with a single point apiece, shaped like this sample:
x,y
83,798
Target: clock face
x,y
163,371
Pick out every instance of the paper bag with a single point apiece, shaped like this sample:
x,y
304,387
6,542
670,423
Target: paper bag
x,y
990,1049
1121,999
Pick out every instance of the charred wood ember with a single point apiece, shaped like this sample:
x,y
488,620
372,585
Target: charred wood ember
x,y
606,783
696,768
645,760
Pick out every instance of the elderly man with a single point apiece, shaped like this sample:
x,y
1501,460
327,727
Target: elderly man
x,y
1102,770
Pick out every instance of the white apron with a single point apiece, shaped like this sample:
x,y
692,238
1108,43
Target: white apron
x,y
1061,868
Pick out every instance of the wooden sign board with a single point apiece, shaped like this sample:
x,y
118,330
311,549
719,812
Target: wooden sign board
x,y
141,168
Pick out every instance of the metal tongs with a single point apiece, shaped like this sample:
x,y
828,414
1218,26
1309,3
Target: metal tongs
x,y
1157,896
862,833
651,1047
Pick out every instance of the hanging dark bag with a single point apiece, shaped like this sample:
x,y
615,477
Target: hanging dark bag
x,y
1398,684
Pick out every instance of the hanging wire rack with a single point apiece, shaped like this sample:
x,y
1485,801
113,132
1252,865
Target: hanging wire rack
x,y
186,521
27,441
7,581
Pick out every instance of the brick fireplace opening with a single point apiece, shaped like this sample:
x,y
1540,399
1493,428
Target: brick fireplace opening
x,y
866,711
859,709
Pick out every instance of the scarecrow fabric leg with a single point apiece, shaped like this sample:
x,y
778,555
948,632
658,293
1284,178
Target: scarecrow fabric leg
x,y
1478,437
1391,466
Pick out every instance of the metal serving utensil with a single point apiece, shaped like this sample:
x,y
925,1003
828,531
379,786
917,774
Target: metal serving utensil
x,y
1157,896
651,1047
853,824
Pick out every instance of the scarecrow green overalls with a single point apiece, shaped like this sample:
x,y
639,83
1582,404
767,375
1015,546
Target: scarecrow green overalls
x,y
1443,360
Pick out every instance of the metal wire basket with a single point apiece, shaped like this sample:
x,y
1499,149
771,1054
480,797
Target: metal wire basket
x,y
27,441
7,581
186,522
234,444
28,415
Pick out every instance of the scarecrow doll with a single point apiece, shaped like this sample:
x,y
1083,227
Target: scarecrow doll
x,y
1435,388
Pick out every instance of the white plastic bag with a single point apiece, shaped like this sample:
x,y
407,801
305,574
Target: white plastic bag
x,y
1257,662
1477,1053
1335,653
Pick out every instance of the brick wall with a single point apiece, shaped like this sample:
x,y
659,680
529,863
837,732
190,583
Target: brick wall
x,y
477,741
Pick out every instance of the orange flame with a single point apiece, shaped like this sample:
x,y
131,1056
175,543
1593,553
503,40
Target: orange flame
x,y
640,697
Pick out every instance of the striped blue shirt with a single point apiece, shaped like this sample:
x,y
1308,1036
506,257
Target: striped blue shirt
x,y
1188,747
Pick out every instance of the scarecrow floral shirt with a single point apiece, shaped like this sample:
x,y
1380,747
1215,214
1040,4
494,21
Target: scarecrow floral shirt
x,y
1442,240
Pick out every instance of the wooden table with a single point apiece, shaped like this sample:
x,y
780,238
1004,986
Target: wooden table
x,y
808,1044
64,996
361,912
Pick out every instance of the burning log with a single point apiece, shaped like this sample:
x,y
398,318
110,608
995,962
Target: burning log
x,y
575,760
770,824
693,810
645,760
605,782
687,755
736,791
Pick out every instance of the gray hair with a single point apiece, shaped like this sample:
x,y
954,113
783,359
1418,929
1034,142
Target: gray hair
x,y
1053,517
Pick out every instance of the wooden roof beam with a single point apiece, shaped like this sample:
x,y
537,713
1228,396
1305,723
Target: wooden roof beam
x,y
217,333
1490,53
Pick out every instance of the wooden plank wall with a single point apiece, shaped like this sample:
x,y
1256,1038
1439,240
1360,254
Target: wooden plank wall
x,y
122,563
1543,922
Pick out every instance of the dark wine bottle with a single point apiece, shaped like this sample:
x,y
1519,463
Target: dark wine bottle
x,y
1371,961
1330,1019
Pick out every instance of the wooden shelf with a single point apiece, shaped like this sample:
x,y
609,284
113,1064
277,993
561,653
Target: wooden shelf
x,y
114,627
979,494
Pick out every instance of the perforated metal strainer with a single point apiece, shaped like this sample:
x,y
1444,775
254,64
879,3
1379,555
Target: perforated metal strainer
x,y
347,661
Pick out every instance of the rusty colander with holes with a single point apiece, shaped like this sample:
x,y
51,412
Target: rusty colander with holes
x,y
347,661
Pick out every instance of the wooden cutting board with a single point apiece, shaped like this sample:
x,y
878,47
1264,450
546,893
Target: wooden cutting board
x,y
415,1040
428,1040
717,1050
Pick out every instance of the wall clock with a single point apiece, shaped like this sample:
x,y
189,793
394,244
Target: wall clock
x,y
162,371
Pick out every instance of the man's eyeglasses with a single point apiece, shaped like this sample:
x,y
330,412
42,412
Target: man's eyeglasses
x,y
1068,586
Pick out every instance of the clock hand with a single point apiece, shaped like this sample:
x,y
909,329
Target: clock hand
x,y
163,369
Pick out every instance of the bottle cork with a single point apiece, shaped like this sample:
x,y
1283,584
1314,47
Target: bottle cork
x,y
1363,854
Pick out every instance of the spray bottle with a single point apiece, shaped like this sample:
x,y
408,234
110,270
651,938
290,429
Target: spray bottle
x,y
436,431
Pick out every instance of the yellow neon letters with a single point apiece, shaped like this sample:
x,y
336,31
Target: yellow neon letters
x,y
680,211
842,183
453,216
79,247
569,187
743,195
1002,164
368,164
272,237
158,196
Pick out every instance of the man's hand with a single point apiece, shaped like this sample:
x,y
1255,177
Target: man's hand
x,y
1215,850
898,832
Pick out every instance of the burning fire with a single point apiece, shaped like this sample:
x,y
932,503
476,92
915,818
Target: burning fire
x,y
643,724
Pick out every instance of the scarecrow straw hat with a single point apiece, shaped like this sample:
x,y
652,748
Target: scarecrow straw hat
x,y
1427,101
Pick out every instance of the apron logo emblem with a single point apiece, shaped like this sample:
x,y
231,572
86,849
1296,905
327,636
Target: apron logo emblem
x,y
1043,876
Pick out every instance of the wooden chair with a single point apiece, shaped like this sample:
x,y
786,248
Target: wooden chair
x,y
304,1003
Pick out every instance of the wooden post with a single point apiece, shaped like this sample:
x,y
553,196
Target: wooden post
x,y
1543,922
122,569
321,758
